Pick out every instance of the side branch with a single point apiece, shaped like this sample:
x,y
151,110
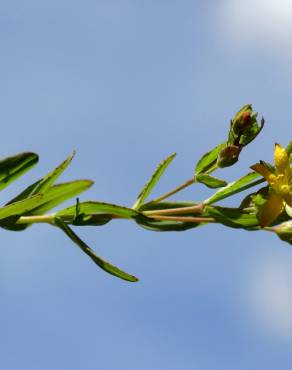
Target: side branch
x,y
174,191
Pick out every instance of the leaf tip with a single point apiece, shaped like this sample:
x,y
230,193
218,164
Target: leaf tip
x,y
173,155
89,182
133,279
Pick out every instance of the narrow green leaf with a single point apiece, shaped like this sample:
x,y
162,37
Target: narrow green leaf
x,y
13,167
153,181
286,237
207,163
233,217
242,184
210,181
44,183
59,193
289,148
111,269
155,225
20,207
90,220
98,208
9,223
54,196
47,181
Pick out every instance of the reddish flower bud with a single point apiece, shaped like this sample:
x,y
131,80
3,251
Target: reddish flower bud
x,y
228,156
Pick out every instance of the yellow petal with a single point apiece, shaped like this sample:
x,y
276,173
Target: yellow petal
x,y
281,158
262,170
271,209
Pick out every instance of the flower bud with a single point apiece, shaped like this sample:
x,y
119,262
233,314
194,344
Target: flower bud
x,y
242,120
284,231
228,156
244,127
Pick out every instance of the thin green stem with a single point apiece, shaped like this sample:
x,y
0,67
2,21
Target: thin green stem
x,y
184,219
48,219
269,228
157,214
174,191
198,208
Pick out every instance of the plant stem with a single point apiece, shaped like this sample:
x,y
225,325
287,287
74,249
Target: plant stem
x,y
157,214
49,219
184,219
174,191
198,208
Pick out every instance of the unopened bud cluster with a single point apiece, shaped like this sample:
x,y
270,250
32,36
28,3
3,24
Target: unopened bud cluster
x,y
244,128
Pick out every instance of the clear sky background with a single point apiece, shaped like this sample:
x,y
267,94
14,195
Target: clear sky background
x,y
126,83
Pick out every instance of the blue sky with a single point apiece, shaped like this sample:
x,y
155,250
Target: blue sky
x,y
126,84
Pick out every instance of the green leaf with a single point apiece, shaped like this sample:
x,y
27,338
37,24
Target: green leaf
x,y
153,181
289,148
207,163
44,183
9,223
233,217
20,207
157,225
54,196
13,167
256,199
98,208
210,181
286,237
242,184
91,220
47,181
106,266
59,193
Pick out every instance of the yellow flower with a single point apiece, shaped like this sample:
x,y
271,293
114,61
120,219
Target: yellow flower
x,y
280,182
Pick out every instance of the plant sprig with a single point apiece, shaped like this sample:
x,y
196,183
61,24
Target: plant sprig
x,y
34,202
